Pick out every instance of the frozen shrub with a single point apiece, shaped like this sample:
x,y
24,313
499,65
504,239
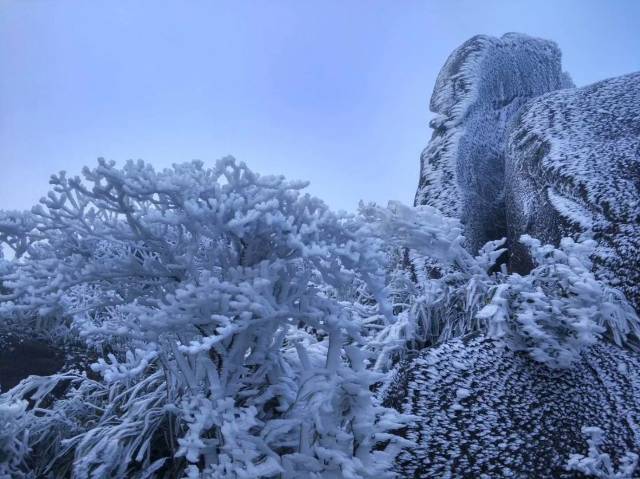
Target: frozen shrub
x,y
13,437
559,308
241,326
434,285
221,299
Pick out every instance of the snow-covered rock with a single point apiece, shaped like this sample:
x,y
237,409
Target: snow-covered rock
x,y
573,165
480,88
485,411
517,150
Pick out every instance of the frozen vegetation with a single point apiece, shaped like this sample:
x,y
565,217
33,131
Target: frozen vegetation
x,y
210,322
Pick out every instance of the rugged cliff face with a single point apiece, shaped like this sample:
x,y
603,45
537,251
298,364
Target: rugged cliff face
x,y
481,87
573,165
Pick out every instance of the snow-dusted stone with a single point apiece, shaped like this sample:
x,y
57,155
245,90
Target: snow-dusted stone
x,y
485,411
481,86
573,164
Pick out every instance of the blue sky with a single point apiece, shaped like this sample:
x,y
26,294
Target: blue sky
x,y
335,92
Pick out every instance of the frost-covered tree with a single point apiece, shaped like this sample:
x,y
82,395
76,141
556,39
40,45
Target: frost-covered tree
x,y
17,231
220,302
16,234
238,326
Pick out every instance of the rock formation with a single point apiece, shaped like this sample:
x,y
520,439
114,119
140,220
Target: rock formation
x,y
516,149
481,87
572,166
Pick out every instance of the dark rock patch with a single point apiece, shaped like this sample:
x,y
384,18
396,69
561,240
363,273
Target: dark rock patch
x,y
21,357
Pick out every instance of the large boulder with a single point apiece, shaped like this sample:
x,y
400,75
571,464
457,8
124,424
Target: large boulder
x,y
573,166
485,411
482,85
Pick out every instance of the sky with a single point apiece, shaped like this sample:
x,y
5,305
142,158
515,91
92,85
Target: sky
x,y
334,92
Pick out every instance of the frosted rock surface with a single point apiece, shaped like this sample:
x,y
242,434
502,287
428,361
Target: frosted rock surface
x,y
573,165
515,418
478,91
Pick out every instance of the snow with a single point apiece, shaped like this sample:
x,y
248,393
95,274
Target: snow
x,y
599,464
571,210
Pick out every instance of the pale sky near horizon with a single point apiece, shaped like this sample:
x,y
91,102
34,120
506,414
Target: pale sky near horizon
x,y
335,92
